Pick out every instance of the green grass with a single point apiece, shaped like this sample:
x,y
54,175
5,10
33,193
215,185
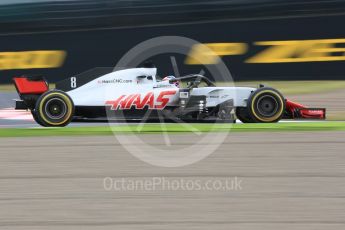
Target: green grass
x,y
171,128
7,88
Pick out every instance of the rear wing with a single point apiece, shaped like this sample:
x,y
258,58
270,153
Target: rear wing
x,y
29,90
30,85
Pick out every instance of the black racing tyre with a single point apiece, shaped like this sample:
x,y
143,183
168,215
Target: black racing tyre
x,y
266,105
54,109
37,120
243,115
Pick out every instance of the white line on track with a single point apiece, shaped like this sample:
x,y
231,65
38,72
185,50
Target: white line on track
x,y
12,114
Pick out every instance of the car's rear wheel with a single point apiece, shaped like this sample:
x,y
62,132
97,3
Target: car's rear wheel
x,y
266,105
37,120
54,108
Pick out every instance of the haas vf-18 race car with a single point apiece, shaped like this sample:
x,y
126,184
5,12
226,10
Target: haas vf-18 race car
x,y
137,94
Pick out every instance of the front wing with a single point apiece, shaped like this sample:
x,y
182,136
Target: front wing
x,y
298,111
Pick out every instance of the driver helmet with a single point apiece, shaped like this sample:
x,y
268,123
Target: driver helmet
x,y
168,78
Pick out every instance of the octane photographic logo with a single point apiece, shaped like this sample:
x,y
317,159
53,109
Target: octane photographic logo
x,y
166,149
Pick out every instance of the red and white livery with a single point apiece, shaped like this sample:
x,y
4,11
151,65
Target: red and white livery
x,y
136,94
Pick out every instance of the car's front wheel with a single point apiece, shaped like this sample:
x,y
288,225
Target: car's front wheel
x,y
243,115
266,105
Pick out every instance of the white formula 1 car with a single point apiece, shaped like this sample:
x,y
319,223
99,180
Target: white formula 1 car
x,y
136,94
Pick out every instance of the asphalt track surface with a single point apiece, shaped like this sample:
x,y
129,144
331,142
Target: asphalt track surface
x,y
6,99
289,181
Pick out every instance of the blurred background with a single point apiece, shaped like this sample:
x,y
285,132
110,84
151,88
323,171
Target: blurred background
x,y
292,180
295,45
